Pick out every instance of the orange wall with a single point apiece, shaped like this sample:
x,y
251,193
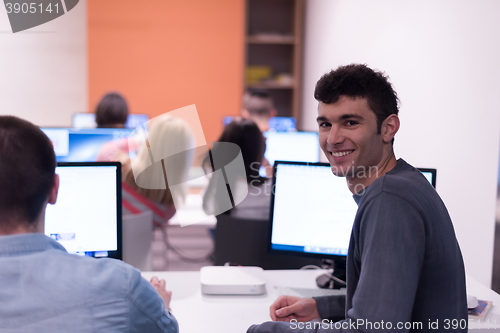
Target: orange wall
x,y
166,54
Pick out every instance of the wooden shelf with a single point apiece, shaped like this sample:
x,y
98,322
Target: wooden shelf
x,y
274,30
271,39
271,85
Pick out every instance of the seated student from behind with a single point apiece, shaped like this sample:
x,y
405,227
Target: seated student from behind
x,y
144,185
43,288
112,111
247,136
258,106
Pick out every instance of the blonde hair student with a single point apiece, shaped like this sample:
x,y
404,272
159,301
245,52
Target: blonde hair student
x,y
153,179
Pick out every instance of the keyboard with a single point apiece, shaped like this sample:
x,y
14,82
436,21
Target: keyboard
x,y
308,292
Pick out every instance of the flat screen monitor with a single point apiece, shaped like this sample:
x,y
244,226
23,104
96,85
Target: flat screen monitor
x,y
277,124
87,217
87,120
312,211
82,145
291,146
430,174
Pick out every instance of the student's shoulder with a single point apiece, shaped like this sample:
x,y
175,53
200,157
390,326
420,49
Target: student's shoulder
x,y
112,268
404,181
111,275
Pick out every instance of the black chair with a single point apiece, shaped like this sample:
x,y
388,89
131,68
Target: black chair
x,y
245,242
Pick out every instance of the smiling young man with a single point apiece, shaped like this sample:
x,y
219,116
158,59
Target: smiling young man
x,y
356,146
405,270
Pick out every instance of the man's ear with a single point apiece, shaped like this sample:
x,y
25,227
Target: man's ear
x,y
274,113
389,128
54,190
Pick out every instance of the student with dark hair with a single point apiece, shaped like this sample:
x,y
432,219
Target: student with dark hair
x,y
249,138
44,288
404,265
112,111
355,81
258,106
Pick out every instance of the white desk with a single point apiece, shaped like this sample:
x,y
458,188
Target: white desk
x,y
232,314
198,313
492,320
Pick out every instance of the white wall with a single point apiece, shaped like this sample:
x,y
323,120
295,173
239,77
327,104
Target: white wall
x,y
43,70
443,60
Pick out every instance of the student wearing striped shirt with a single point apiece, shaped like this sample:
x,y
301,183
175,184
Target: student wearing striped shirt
x,y
144,186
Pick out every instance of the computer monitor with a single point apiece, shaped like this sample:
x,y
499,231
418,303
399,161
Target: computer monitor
x,y
277,124
82,145
87,217
291,146
430,174
312,211
87,120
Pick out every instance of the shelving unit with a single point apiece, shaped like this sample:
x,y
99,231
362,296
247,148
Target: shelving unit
x,y
274,44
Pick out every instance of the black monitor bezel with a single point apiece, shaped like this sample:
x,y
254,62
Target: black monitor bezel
x,y
335,257
118,254
434,174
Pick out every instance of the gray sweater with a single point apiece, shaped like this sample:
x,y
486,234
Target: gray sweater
x,y
405,271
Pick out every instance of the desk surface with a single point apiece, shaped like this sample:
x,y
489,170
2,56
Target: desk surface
x,y
232,314
204,313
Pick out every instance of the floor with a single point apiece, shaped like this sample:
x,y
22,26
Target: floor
x,y
189,248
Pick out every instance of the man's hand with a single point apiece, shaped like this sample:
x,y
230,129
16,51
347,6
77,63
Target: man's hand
x,y
286,308
160,286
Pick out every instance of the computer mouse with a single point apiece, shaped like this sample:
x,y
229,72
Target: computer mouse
x,y
471,302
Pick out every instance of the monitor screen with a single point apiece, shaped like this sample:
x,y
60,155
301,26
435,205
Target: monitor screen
x,y
312,211
277,124
291,146
87,120
82,145
282,124
86,219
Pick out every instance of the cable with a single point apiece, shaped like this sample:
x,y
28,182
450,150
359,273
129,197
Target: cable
x,y
310,267
328,274
334,278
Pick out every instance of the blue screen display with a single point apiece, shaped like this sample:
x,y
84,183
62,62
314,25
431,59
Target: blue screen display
x,y
276,124
82,145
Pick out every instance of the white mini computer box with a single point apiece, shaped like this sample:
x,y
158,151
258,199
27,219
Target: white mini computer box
x,y
232,280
